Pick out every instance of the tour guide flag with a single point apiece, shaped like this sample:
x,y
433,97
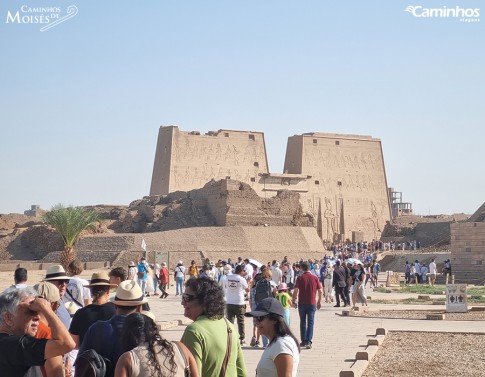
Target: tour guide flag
x,y
143,245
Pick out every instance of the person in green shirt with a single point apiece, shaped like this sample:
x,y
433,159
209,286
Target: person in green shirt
x,y
285,300
207,336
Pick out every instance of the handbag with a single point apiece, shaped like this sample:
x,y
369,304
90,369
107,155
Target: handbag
x,y
186,362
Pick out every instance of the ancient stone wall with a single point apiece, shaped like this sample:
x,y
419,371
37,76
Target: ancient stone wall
x,y
468,252
216,242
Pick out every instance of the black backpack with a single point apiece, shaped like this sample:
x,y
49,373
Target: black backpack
x,y
263,290
91,364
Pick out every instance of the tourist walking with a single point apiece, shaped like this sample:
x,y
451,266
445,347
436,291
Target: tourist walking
x,y
179,273
236,288
358,294
282,356
163,275
143,275
306,287
432,272
285,300
340,276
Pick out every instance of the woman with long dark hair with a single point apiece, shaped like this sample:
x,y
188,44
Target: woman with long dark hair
x,y
148,354
282,356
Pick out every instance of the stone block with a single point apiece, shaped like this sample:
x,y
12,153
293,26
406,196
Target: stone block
x,y
435,317
381,331
477,309
345,313
423,297
357,369
377,341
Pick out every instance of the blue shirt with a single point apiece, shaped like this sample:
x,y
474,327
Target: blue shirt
x,y
142,268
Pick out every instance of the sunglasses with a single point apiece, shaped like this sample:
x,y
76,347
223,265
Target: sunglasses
x,y
260,318
61,282
187,298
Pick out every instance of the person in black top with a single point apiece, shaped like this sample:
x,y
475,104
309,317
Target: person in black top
x,y
19,320
99,310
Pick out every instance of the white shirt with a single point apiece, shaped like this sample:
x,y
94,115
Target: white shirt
x,y
77,291
432,268
277,275
179,271
235,286
283,344
249,270
290,276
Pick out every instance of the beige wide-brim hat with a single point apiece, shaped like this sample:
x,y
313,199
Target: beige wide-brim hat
x,y
129,293
48,291
100,279
149,314
56,272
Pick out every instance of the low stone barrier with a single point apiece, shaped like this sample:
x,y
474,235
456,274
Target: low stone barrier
x,y
362,358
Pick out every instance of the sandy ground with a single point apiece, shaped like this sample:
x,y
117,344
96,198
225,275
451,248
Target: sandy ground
x,y
450,355
421,314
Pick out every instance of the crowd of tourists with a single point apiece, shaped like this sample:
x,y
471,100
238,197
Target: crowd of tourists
x,y
64,325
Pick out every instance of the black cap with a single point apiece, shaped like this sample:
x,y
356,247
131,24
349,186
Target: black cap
x,y
267,306
239,268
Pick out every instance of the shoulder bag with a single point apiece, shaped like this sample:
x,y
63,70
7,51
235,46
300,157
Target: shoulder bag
x,y
228,351
186,362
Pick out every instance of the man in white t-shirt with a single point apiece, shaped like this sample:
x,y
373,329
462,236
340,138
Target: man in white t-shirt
x,y
76,291
432,272
236,287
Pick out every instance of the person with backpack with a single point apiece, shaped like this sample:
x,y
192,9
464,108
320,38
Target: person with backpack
x,y
104,336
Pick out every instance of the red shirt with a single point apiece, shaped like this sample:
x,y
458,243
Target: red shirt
x,y
307,285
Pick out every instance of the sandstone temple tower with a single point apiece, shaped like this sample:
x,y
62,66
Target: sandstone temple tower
x,y
347,185
341,179
188,160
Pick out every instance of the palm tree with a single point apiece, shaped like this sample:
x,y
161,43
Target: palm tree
x,y
70,222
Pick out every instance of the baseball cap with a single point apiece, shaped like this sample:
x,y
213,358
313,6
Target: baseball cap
x,y
267,306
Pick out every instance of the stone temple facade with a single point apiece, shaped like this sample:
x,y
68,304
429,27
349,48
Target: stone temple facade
x,y
341,179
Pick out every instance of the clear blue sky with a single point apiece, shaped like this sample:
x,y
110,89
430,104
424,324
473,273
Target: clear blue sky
x,y
81,103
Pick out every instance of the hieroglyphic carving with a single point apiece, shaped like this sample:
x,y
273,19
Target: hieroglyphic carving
x,y
456,298
393,279
330,218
